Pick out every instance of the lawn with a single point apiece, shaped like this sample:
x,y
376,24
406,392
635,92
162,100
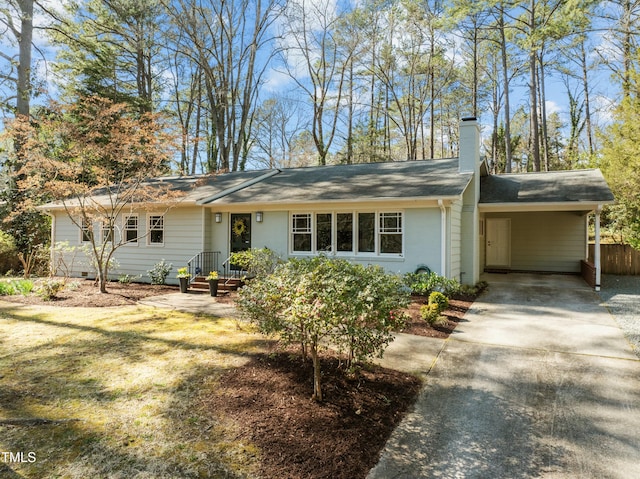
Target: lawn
x,y
135,392
109,392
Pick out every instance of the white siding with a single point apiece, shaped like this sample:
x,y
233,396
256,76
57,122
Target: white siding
x,y
546,241
421,239
456,239
183,238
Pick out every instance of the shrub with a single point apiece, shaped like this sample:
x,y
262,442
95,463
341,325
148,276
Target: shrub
x,y
19,286
334,303
432,311
258,262
49,289
159,272
8,253
426,283
127,278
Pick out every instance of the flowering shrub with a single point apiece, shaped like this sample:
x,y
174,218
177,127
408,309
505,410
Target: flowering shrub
x,y
334,303
159,272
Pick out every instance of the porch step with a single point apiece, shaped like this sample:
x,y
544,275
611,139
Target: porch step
x,y
225,285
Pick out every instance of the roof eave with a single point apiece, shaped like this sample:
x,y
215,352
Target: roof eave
x,y
542,206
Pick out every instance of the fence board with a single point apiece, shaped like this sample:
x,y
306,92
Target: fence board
x,y
617,259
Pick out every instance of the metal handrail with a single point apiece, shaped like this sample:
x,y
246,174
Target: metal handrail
x,y
203,263
230,273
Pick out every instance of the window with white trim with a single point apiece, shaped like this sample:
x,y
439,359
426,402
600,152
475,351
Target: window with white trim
x,y
301,232
86,231
390,233
156,229
131,229
108,231
366,232
361,233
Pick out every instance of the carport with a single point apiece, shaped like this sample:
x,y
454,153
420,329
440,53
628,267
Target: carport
x,y
538,222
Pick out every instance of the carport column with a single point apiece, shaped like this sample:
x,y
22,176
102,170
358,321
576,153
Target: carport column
x,y
596,248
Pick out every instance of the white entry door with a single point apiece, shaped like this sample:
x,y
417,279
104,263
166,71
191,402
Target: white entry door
x,y
498,242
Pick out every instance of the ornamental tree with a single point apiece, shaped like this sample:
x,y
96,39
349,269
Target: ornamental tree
x,y
96,159
321,302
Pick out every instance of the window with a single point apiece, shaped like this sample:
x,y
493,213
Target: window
x,y
324,236
107,231
344,232
86,233
301,231
366,233
390,233
156,229
131,229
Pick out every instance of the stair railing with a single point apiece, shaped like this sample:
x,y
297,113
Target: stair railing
x,y
230,272
203,263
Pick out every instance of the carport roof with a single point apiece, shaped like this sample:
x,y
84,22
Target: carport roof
x,y
574,188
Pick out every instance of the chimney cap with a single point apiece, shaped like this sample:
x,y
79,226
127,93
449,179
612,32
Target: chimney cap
x,y
469,118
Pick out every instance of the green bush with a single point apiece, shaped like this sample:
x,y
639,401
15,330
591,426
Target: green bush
x,y
17,286
426,283
334,303
127,278
257,262
159,272
432,311
8,253
49,289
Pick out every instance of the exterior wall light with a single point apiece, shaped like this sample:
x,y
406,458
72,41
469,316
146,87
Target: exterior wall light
x,y
218,217
259,216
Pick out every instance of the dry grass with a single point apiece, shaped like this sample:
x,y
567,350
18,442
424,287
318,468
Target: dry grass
x,y
111,393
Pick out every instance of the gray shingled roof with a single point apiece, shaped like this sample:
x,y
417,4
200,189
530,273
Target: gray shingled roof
x,y
587,186
367,181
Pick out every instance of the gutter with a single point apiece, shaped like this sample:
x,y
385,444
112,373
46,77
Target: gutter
x,y
239,187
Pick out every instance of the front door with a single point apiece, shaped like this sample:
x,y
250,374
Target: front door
x,y
498,242
240,232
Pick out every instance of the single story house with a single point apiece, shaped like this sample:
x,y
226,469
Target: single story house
x,y
450,215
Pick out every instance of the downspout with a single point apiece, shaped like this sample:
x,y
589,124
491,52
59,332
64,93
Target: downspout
x,y
596,248
443,239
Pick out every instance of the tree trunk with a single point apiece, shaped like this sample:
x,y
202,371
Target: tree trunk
x,y
587,105
24,63
317,377
505,81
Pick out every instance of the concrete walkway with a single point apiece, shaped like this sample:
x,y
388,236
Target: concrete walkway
x,y
539,382
192,303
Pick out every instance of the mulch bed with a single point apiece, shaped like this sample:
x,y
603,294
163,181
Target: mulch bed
x,y
269,399
454,314
270,402
85,293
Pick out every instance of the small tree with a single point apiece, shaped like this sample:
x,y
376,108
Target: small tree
x,y
321,301
95,158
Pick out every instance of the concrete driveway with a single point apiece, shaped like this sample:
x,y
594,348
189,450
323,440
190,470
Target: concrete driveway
x,y
538,382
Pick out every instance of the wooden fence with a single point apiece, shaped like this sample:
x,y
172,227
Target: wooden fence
x,y
617,259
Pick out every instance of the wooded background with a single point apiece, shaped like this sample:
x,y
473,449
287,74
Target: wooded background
x,y
283,83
